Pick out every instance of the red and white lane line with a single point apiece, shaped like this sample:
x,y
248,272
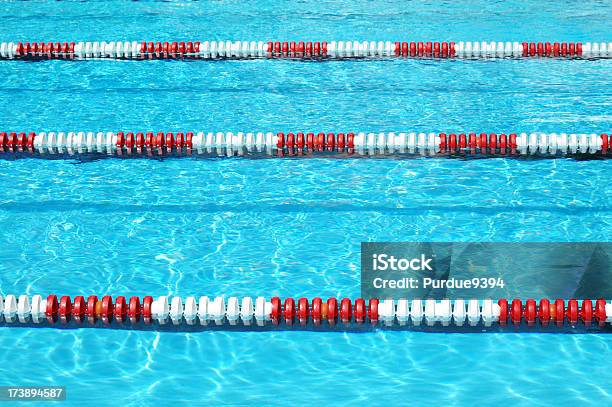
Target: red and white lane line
x,y
262,311
301,49
295,144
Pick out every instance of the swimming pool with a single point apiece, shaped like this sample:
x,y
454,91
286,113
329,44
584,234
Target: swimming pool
x,y
293,227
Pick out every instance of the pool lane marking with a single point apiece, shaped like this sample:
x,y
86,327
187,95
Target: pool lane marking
x,y
261,311
144,50
302,143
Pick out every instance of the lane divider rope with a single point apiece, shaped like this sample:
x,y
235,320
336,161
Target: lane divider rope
x,y
220,311
301,49
295,144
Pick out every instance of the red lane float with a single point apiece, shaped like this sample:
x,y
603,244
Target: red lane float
x,y
373,310
289,311
530,311
120,309
106,310
587,311
134,144
51,308
303,310
79,309
276,311
544,311
65,308
134,310
317,310
332,310
90,311
147,303
345,310
147,50
559,311
516,312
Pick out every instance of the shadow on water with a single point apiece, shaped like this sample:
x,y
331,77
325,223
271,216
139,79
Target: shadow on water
x,y
83,158
338,327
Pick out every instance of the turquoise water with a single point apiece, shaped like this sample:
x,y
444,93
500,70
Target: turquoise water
x,y
293,227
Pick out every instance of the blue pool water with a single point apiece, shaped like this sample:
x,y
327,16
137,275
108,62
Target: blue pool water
x,y
293,227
